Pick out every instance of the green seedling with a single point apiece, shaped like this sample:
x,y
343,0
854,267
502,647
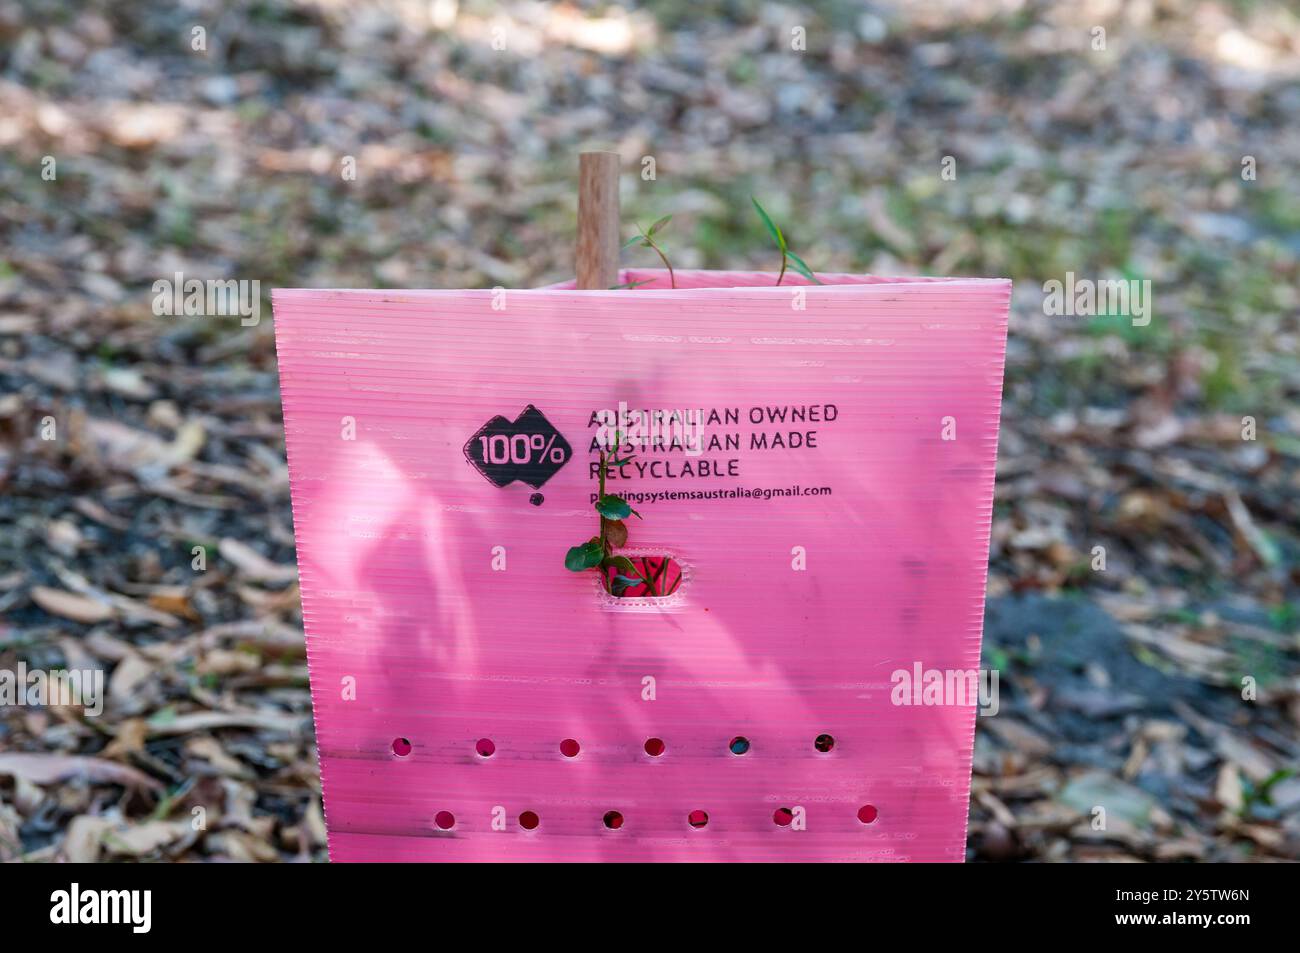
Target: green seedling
x,y
788,258
645,238
598,553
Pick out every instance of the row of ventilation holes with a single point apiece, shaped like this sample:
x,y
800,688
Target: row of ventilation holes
x,y
529,820
654,747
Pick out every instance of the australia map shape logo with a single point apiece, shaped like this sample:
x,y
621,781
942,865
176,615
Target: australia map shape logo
x,y
528,449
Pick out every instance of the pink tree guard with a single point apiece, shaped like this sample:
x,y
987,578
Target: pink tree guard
x,y
475,701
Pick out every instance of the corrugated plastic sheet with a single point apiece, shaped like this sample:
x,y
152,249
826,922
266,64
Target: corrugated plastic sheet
x,y
439,615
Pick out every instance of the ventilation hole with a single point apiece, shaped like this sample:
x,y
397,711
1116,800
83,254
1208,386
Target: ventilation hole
x,y
824,743
663,573
867,813
698,819
485,747
613,820
401,747
529,820
445,820
783,817
570,748
739,745
654,747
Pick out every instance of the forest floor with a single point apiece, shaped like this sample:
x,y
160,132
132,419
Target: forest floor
x,y
1165,686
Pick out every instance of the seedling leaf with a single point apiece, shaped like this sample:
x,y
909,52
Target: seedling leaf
x,y
621,563
615,532
771,226
613,507
586,556
803,269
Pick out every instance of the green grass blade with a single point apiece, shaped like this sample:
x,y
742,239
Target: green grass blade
x,y
771,225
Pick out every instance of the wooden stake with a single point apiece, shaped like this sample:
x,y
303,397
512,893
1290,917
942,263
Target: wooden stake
x,y
598,241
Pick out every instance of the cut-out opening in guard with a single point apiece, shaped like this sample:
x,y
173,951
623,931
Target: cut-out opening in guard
x,y
659,579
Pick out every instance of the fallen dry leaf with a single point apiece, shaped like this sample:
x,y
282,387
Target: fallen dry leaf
x,y
141,839
11,843
1227,789
84,839
227,662
127,678
211,750
174,602
52,768
253,564
130,738
69,605
209,720
243,846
